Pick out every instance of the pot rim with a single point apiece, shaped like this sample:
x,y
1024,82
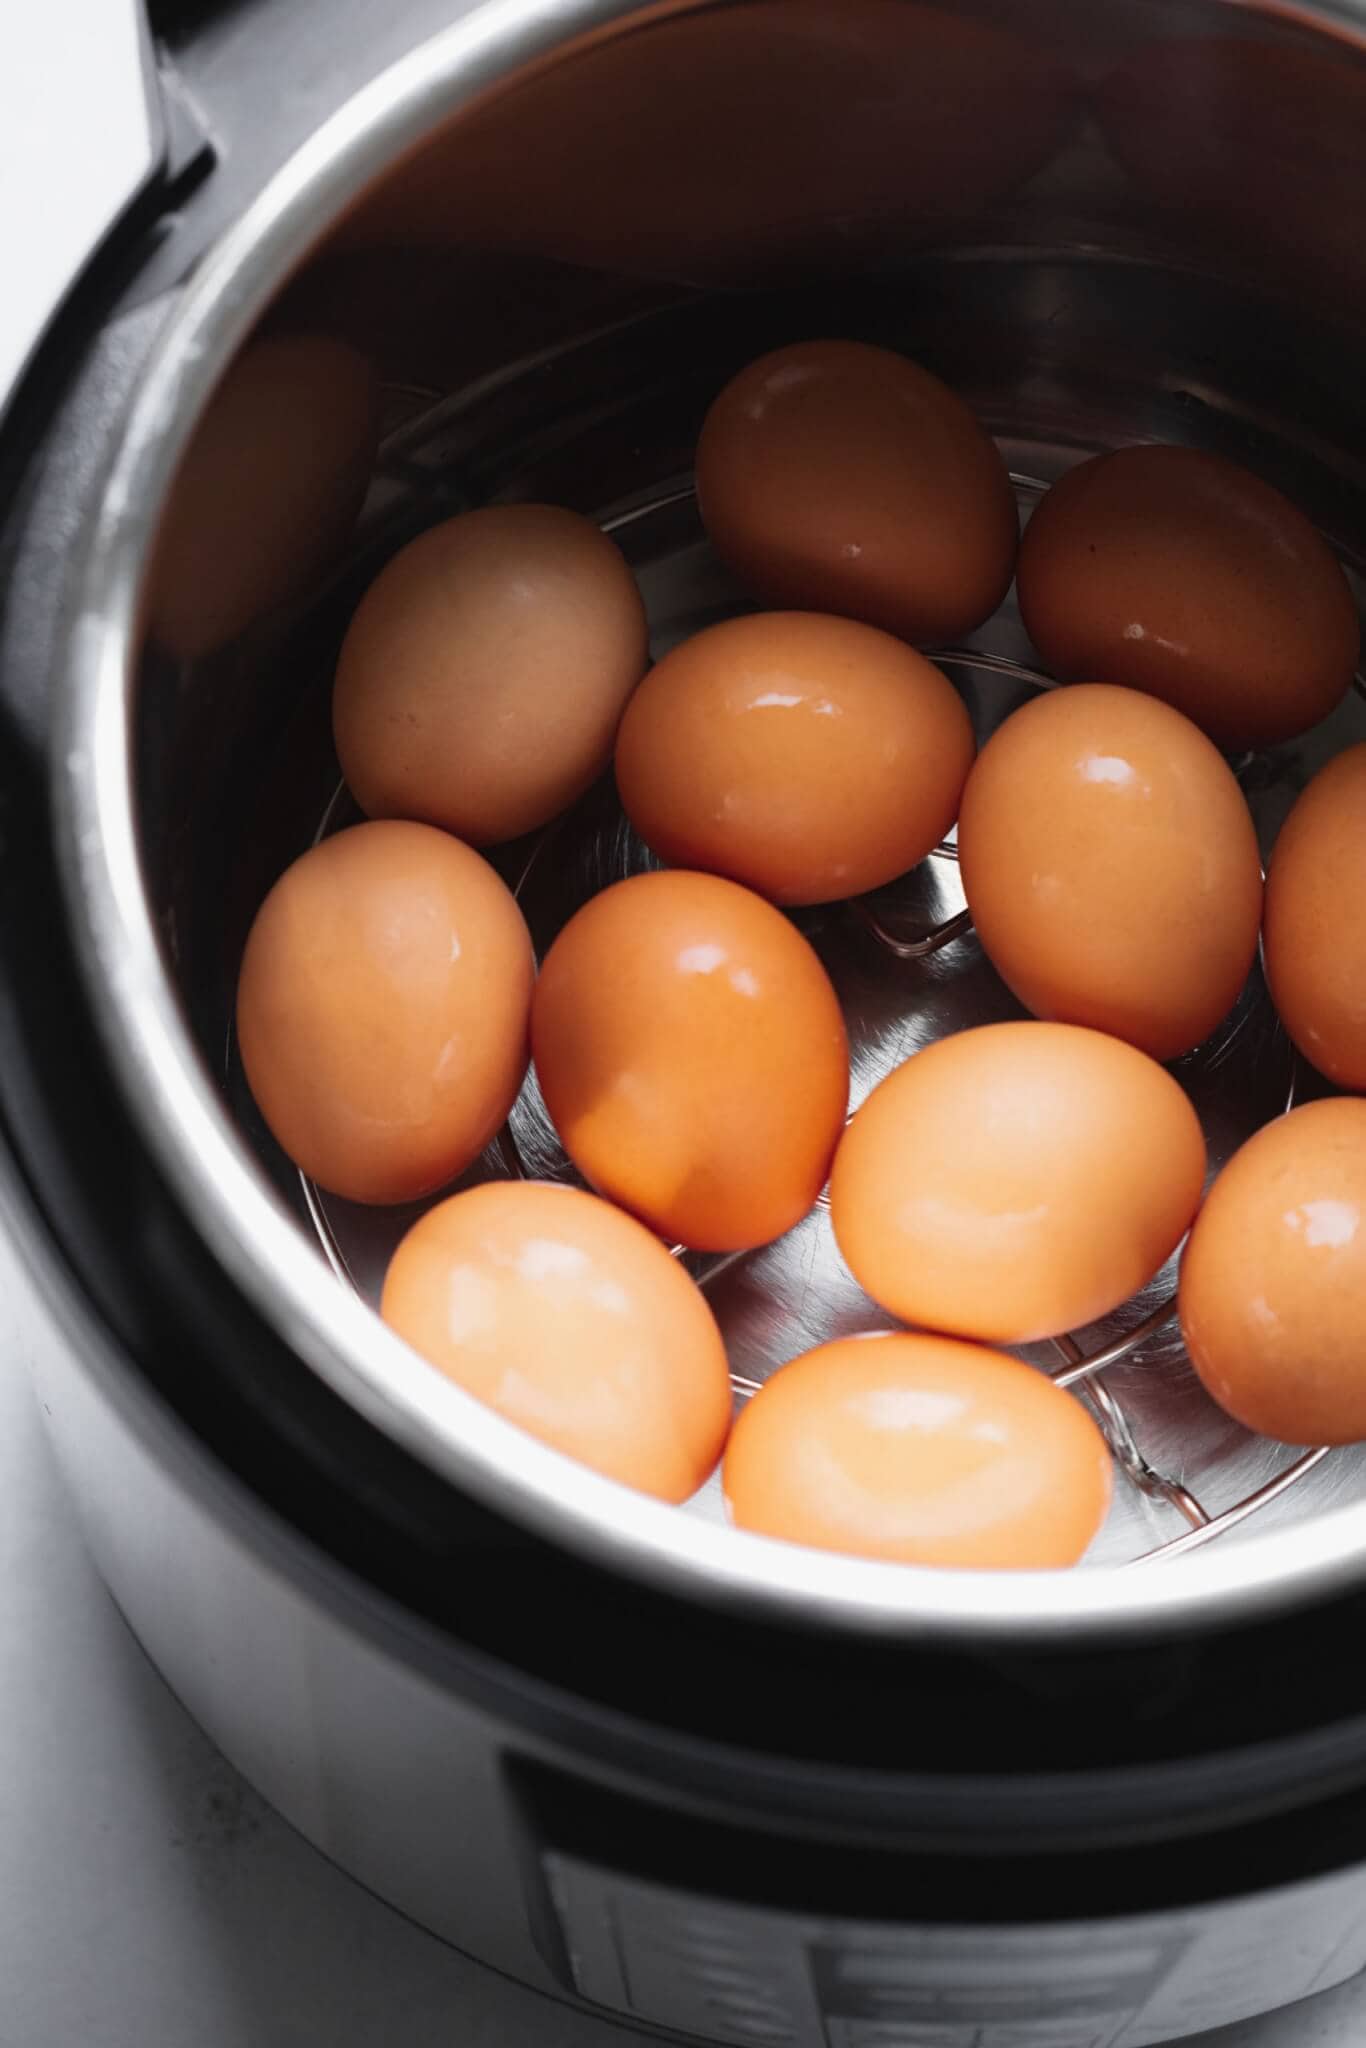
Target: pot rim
x,y
175,1105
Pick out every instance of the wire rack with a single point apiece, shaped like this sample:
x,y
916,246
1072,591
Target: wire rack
x,y
1071,1367
1074,1369
1085,1372
1078,1370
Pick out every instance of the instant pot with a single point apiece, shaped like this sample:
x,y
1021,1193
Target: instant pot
x,y
710,1785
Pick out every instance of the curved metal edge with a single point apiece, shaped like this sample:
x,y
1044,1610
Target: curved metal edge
x,y
172,1099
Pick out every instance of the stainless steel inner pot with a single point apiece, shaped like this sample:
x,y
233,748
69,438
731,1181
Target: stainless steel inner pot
x,y
554,231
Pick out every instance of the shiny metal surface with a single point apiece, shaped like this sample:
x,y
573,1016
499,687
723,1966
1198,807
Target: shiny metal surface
x,y
1053,282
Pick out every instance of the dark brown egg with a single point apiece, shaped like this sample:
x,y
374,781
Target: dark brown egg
x,y
837,477
1175,572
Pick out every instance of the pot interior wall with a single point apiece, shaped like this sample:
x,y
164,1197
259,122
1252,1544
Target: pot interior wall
x,y
1100,225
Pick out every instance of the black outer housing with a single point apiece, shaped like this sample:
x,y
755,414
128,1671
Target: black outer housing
x,y
772,1764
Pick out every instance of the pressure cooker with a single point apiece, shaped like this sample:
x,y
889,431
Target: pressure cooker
x,y
714,1786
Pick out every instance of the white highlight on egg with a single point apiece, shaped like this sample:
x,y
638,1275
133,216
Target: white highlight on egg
x,y
1106,768
471,1304
908,1408
1326,1223
543,1258
702,959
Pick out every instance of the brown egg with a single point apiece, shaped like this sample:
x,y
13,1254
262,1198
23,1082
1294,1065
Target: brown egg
x,y
1313,935
920,1450
1111,866
483,676
1016,1181
573,1322
382,1010
268,489
1175,572
842,478
692,1057
1273,1281
808,757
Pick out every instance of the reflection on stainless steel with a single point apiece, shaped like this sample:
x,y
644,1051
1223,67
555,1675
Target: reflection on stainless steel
x,y
737,143
1246,138
316,1204
1239,1512
1079,1367
914,949
1130,1459
1073,295
268,490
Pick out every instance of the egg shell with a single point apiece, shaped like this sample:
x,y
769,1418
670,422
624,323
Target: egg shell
x,y
1173,571
1016,1181
483,676
572,1321
382,1009
267,490
809,757
1314,933
1111,866
921,1450
693,1058
1273,1282
839,477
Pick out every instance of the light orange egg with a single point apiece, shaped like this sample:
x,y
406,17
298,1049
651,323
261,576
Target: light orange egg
x,y
382,1009
1273,1281
268,490
1016,1181
693,1059
1111,867
809,757
483,676
573,1322
1176,572
1314,935
920,1450
840,477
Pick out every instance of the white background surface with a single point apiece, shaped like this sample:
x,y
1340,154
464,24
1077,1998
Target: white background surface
x,y
71,68
148,1899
